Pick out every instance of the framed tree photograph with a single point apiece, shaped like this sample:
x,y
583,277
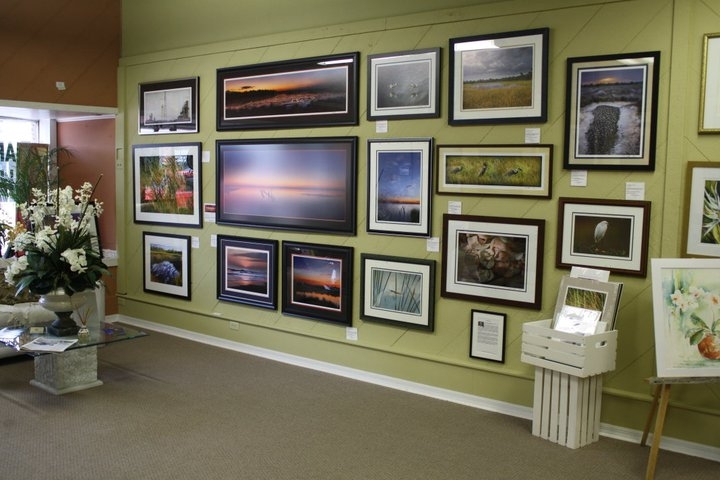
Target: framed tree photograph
x,y
318,282
398,291
404,85
487,335
499,78
710,85
702,215
611,117
607,234
302,93
291,183
169,107
498,170
167,184
247,271
493,259
399,186
166,264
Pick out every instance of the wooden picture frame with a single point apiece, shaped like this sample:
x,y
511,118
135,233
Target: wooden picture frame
x,y
169,106
247,271
709,121
166,264
487,335
702,214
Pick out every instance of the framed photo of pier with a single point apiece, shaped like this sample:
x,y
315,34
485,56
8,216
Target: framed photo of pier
x,y
611,117
247,271
169,107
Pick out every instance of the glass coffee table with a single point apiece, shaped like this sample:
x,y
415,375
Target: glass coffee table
x,y
75,368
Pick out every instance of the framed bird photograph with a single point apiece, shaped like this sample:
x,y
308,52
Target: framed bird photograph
x,y
607,234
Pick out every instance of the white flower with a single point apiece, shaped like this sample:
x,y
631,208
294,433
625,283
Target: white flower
x,y
45,239
14,268
76,258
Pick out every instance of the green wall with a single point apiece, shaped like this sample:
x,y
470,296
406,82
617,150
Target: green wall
x,y
440,358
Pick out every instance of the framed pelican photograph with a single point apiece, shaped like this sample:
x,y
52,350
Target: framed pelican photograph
x,y
606,234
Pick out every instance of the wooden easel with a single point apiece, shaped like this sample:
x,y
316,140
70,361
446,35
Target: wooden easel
x,y
662,393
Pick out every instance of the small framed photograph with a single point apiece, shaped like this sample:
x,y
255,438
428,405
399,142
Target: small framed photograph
x,y
710,85
487,335
169,107
493,259
167,184
611,117
404,85
582,304
398,291
607,234
498,170
318,282
687,332
399,183
702,222
166,264
247,271
308,92
499,78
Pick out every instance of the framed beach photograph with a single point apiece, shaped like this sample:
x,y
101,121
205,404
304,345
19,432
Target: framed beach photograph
x,y
687,331
166,264
404,85
169,107
611,117
167,184
247,271
498,170
304,183
583,305
702,214
607,234
302,93
399,186
398,291
487,335
710,85
318,282
493,259
499,78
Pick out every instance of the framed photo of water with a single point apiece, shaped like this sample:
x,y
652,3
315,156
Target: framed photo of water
x,y
247,271
611,117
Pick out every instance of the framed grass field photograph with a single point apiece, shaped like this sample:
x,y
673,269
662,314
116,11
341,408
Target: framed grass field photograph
x,y
579,296
166,264
247,271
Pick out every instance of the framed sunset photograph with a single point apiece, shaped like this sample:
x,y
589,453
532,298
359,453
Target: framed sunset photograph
x,y
247,271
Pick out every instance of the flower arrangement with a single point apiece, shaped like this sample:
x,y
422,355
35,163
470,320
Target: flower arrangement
x,y
698,312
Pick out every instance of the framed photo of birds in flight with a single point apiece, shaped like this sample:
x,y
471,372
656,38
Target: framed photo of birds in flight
x,y
607,234
499,170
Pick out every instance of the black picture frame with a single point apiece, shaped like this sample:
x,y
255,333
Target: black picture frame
x,y
247,271
487,335
166,264
169,106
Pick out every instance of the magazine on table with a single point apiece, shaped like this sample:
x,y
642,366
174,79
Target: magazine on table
x,y
49,344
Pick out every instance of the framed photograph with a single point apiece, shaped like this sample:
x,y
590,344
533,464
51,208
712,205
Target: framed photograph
x,y
499,170
611,117
710,85
687,332
294,183
487,335
303,93
702,191
247,271
607,234
398,291
404,85
169,107
166,264
499,78
167,184
583,304
399,179
318,282
493,259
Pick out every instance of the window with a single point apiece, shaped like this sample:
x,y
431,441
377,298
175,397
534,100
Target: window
x,y
12,132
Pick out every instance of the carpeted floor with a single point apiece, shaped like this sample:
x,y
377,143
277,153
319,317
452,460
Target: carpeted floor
x,y
175,409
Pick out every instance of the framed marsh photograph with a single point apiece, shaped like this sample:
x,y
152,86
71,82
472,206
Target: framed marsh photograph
x,y
702,214
487,335
710,85
583,303
499,78
404,85
399,186
493,259
499,170
318,282
307,92
247,271
687,332
607,234
169,106
611,117
166,264
167,184
398,291
293,183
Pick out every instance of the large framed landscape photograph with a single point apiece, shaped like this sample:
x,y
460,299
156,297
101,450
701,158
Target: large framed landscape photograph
x,y
169,107
247,271
166,264
307,92
293,183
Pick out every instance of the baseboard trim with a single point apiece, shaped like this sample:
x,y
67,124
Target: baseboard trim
x,y
606,430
